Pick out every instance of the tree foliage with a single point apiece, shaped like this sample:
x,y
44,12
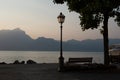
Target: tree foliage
x,y
92,11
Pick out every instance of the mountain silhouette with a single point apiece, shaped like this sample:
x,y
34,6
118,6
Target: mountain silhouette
x,y
14,40
18,40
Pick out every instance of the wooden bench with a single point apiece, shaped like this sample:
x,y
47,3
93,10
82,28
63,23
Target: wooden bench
x,y
87,60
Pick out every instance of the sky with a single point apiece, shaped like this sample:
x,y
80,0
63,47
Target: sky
x,y
38,18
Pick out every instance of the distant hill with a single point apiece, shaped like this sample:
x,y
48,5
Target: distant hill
x,y
17,39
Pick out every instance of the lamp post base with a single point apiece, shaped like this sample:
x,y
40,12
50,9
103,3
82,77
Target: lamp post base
x,y
61,64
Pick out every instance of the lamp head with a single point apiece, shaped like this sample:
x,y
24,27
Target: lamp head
x,y
61,18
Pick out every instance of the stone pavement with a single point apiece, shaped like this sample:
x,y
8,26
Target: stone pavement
x,y
49,72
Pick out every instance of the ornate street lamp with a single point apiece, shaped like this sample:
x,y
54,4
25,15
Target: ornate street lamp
x,y
61,19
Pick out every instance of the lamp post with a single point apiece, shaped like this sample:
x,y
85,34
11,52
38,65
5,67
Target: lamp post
x,y
61,19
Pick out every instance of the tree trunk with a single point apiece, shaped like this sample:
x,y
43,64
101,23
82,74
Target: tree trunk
x,y
106,41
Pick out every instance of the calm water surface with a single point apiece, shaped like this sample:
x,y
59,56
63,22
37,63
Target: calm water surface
x,y
46,56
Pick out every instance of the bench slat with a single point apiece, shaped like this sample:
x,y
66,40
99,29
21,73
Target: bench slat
x,y
83,59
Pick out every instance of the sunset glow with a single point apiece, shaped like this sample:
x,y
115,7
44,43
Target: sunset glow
x,y
39,18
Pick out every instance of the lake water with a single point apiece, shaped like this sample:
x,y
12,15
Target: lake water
x,y
46,56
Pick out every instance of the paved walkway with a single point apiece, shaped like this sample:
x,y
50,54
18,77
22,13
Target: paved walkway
x,y
49,72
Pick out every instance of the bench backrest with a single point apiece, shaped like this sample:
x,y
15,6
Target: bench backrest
x,y
83,59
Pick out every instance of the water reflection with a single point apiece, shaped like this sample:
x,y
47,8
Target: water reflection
x,y
46,57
